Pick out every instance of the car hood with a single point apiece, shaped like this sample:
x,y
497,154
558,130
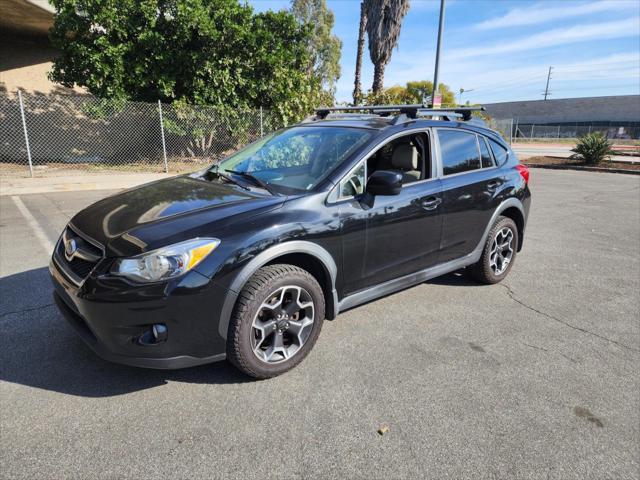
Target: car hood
x,y
168,211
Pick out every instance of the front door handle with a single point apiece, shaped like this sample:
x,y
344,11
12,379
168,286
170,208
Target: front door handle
x,y
492,185
431,203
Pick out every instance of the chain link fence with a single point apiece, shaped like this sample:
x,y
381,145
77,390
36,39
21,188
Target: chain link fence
x,y
45,135
514,132
502,126
627,133
61,135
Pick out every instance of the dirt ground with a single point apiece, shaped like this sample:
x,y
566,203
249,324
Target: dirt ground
x,y
580,163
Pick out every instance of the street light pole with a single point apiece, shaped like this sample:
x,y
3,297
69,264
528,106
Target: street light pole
x,y
462,90
435,74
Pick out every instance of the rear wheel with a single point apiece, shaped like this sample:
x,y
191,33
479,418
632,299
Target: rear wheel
x,y
498,254
276,321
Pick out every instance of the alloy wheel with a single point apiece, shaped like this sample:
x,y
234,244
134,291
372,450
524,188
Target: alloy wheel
x,y
282,324
501,251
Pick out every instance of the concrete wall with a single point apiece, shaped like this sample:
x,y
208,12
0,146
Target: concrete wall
x,y
25,62
623,108
25,51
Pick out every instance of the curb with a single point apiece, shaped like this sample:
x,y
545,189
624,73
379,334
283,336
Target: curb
x,y
26,186
584,169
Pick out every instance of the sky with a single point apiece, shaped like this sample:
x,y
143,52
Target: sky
x,y
501,50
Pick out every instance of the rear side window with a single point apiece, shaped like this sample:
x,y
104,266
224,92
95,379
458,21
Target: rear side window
x,y
487,159
459,151
499,152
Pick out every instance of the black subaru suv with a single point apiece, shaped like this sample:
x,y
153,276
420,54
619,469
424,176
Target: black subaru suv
x,y
245,260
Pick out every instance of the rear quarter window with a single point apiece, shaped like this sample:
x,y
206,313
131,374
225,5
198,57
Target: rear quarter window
x,y
487,159
499,152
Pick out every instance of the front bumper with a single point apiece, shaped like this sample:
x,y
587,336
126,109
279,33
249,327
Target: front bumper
x,y
111,315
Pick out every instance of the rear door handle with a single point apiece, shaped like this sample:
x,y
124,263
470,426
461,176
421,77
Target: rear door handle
x,y
431,203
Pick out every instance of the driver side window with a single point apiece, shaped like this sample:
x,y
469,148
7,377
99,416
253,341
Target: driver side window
x,y
408,154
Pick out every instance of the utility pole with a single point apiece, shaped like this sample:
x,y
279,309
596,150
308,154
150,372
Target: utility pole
x,y
546,90
435,73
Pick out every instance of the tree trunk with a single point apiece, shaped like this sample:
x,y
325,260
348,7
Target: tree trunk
x,y
378,77
357,90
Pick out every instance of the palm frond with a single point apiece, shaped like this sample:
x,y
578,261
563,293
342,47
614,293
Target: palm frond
x,y
384,19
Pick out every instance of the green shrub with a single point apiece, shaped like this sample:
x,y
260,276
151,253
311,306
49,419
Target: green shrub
x,y
592,148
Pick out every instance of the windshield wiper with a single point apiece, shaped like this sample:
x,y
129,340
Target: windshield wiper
x,y
229,179
254,179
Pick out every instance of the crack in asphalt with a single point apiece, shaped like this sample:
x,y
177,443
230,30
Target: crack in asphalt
x,y
535,346
513,297
547,350
6,314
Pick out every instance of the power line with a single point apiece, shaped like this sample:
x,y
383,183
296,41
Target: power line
x,y
513,81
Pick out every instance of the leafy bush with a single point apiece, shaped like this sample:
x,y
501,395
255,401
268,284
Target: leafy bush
x,y
592,148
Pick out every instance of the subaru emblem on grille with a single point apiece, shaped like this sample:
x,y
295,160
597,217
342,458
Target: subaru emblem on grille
x,y
70,248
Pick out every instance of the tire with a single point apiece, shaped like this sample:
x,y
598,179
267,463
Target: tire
x,y
488,270
266,337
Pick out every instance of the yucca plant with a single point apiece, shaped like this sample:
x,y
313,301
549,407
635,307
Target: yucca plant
x,y
592,148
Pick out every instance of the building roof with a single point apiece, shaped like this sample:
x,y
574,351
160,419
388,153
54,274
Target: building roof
x,y
620,108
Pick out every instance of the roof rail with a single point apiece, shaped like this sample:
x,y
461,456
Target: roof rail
x,y
408,111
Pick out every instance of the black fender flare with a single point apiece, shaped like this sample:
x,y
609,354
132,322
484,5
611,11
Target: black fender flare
x,y
508,203
294,246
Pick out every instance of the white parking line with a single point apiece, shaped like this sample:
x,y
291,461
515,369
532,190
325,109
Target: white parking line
x,y
33,223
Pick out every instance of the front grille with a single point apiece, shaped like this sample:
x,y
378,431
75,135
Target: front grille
x,y
85,255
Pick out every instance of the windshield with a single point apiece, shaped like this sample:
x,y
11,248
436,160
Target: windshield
x,y
295,159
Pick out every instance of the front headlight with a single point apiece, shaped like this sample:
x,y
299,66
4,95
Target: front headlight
x,y
165,262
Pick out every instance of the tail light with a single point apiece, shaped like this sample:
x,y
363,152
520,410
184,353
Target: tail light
x,y
524,172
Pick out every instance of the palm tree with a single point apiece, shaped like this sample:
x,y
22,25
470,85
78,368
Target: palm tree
x,y
357,89
384,18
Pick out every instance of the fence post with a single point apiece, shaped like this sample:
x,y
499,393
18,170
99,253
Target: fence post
x,y
532,125
164,146
26,135
261,130
558,132
511,132
515,136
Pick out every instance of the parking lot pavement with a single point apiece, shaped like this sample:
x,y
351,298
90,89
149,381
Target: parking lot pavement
x,y
533,378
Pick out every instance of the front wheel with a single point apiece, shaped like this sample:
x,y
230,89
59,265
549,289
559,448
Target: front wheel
x,y
499,252
276,321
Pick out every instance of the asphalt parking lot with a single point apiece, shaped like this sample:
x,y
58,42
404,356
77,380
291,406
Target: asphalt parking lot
x,y
533,378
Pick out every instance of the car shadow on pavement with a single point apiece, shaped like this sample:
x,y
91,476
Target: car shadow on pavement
x,y
39,349
458,278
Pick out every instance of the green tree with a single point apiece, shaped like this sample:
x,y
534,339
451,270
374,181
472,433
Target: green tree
x,y
200,52
323,47
423,89
411,93
384,19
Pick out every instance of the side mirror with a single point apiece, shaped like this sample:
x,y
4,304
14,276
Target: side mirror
x,y
384,182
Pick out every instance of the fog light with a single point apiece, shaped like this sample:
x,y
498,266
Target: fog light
x,y
159,332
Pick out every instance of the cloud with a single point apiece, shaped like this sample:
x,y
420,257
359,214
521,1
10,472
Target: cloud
x,y
542,13
579,33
